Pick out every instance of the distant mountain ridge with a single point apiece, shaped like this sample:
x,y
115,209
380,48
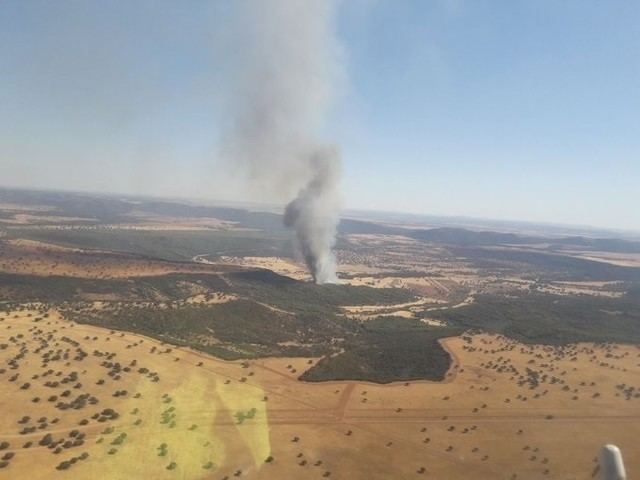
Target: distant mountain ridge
x,y
112,209
464,237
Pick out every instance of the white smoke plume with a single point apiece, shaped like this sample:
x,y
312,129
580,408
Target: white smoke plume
x,y
286,64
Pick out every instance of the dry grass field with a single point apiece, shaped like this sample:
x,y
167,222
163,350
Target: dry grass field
x,y
118,405
281,266
27,257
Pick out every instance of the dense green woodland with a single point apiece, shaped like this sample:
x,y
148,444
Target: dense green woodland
x,y
307,321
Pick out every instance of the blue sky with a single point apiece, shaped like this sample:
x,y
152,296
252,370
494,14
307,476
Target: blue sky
x,y
526,110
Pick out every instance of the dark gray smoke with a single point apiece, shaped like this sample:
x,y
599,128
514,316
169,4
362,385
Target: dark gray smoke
x,y
285,67
313,215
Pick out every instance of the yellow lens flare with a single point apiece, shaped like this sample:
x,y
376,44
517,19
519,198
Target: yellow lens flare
x,y
250,413
188,432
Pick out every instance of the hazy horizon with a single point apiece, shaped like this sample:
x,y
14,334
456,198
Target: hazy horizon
x,y
418,220
501,111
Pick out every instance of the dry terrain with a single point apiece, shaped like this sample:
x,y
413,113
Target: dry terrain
x,y
85,397
118,405
27,257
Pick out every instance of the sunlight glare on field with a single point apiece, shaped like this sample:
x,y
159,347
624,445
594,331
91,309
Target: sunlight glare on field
x,y
177,432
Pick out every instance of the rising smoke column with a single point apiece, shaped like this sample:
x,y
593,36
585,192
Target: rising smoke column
x,y
284,71
314,216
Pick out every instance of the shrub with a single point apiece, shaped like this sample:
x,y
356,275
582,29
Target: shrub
x,y
63,465
46,440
